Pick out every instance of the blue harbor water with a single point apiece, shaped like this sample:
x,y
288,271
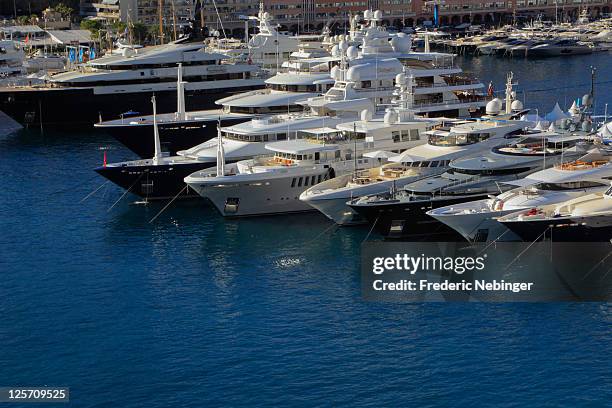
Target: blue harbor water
x,y
193,310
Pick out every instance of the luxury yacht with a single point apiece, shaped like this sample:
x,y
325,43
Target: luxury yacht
x,y
272,184
402,212
159,177
114,84
11,59
183,129
162,178
587,218
565,46
476,220
449,140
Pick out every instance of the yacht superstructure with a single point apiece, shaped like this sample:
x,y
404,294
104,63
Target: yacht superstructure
x,y
587,218
272,184
402,212
476,220
113,84
447,141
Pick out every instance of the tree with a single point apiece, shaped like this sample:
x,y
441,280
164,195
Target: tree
x,y
139,32
94,26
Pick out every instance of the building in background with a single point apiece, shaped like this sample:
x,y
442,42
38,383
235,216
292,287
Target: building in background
x,y
313,15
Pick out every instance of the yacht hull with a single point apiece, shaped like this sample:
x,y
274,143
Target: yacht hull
x,y
563,230
174,136
408,220
479,227
154,182
82,107
334,205
267,196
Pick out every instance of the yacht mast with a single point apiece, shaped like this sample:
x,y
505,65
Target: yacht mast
x,y
160,5
180,97
220,152
158,153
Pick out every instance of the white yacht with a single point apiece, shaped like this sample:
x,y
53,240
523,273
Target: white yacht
x,y
402,212
183,129
449,140
476,220
12,58
587,218
272,184
114,84
267,48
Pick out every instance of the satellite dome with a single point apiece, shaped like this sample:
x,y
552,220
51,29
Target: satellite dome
x,y
378,15
494,106
353,75
334,72
390,117
352,52
366,115
266,15
367,15
586,100
401,44
516,105
335,52
343,45
400,78
586,126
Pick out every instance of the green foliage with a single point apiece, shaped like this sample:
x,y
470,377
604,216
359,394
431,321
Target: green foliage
x,y
139,32
94,26
66,10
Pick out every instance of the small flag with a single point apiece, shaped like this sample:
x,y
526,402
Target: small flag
x,y
27,39
92,53
490,90
80,54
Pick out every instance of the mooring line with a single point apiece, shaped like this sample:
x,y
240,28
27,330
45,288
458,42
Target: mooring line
x,y
95,191
371,229
167,205
525,250
125,193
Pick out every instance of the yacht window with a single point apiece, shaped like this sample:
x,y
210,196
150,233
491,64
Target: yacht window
x,y
317,156
434,164
293,182
575,185
141,73
348,156
416,164
337,154
319,179
490,172
414,134
312,180
306,181
424,164
300,182
396,136
281,136
366,84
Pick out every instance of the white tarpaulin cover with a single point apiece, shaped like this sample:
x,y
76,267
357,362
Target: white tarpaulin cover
x,y
556,114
